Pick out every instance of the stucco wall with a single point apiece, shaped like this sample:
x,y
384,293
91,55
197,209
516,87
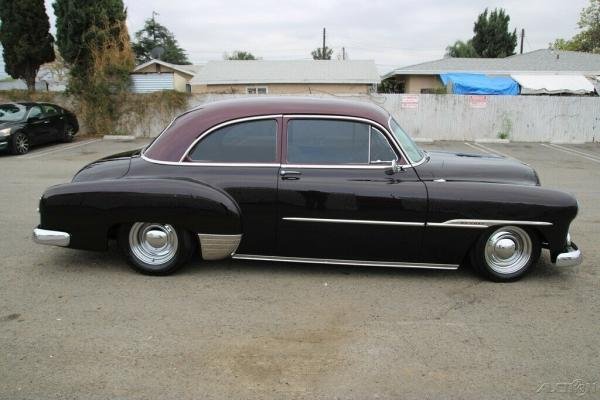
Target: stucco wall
x,y
285,89
415,83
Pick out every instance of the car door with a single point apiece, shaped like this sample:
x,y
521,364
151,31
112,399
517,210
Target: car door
x,y
242,158
37,128
339,197
54,121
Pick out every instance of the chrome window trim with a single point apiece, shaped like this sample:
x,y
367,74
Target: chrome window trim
x,y
332,261
205,164
414,164
371,133
353,221
383,129
232,122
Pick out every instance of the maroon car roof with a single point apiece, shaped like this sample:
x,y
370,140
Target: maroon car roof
x,y
175,140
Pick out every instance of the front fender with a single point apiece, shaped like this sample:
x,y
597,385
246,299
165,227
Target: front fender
x,y
88,210
490,201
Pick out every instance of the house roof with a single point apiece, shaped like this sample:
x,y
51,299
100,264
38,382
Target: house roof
x,y
539,61
189,70
229,72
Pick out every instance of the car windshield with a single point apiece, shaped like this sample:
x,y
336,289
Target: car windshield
x,y
12,112
414,153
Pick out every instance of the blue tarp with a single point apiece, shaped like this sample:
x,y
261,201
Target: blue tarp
x,y
481,84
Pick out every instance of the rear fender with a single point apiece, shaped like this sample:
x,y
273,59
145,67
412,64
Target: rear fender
x,y
87,210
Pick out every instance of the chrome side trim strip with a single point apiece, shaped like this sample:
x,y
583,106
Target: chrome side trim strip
x,y
53,238
345,262
453,223
483,223
218,247
354,221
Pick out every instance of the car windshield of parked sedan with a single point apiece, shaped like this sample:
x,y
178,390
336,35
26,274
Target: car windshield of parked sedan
x,y
408,145
12,112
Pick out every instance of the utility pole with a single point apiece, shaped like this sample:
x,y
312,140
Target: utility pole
x,y
522,39
344,53
323,53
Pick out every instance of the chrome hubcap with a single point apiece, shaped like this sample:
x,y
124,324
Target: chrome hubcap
x,y
508,250
153,244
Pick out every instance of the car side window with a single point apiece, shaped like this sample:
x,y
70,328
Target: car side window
x,y
50,111
380,148
321,141
35,111
244,142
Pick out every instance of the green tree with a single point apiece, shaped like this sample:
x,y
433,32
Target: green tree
x,y
588,40
25,38
156,35
240,55
93,39
492,38
317,54
461,49
82,26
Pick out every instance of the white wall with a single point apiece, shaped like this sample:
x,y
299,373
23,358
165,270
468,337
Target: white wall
x,y
523,118
453,117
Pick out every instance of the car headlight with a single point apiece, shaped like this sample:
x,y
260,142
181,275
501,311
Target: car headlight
x,y
4,132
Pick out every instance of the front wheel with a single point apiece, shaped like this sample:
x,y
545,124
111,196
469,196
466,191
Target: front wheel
x,y
154,248
69,133
19,144
506,253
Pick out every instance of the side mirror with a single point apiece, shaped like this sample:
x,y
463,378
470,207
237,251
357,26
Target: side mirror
x,y
34,118
394,168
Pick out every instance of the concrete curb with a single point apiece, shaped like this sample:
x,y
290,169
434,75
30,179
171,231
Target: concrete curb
x,y
492,140
119,138
424,140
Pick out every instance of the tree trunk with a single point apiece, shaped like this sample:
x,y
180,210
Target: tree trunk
x,y
29,77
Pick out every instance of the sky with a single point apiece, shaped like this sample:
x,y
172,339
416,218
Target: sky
x,y
393,33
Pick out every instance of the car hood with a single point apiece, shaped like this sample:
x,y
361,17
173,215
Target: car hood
x,y
473,167
4,125
112,167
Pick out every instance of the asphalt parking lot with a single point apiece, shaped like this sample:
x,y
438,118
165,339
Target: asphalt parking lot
x,y
77,324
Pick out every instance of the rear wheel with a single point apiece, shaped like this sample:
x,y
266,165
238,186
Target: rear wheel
x,y
20,143
154,248
506,253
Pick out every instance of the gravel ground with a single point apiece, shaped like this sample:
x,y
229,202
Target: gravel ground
x,y
76,324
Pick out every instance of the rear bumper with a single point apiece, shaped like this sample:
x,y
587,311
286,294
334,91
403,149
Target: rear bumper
x,y
53,238
571,257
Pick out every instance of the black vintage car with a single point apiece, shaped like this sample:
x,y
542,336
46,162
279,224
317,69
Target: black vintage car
x,y
23,125
310,181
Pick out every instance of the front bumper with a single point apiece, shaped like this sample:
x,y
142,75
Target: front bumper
x,y
53,238
571,257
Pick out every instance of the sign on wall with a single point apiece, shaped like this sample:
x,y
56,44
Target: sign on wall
x,y
478,101
409,101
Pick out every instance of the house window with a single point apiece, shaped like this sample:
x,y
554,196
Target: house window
x,y
257,90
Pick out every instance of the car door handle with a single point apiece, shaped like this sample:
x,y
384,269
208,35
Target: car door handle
x,y
46,122
290,175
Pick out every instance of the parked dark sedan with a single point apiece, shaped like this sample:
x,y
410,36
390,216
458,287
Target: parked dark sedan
x,y
310,181
23,125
